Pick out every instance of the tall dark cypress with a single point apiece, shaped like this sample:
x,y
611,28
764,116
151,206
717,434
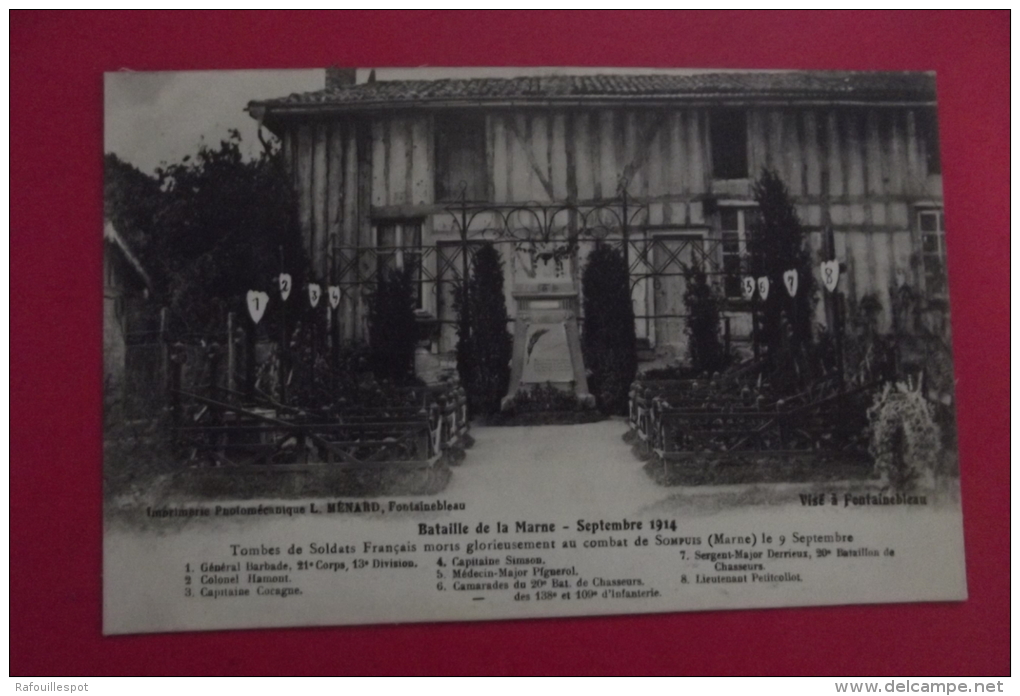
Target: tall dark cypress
x,y
393,329
707,353
778,243
483,357
608,341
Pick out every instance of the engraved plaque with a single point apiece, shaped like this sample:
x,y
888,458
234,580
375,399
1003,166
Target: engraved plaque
x,y
547,355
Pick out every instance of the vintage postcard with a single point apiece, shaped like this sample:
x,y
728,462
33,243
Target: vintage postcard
x,y
392,345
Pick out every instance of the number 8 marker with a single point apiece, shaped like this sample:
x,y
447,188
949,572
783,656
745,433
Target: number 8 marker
x,y
830,274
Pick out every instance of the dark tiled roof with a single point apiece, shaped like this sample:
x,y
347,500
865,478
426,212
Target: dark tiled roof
x,y
829,86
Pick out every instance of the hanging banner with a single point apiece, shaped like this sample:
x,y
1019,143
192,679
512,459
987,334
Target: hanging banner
x,y
257,302
314,293
830,274
334,296
763,287
285,285
747,287
790,279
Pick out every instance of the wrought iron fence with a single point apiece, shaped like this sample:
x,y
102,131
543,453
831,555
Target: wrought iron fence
x,y
658,257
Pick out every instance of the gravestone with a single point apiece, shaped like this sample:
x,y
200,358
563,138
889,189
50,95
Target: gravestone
x,y
547,345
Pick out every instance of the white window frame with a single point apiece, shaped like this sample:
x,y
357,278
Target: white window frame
x,y
741,208
404,229
937,214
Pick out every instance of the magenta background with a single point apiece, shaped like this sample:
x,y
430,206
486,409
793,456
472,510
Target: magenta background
x,y
57,61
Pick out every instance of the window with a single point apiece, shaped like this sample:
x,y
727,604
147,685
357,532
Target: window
x,y
928,132
398,247
931,224
733,224
728,132
460,157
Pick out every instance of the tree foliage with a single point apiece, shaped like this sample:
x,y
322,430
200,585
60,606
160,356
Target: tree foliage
x,y
776,244
208,229
484,353
608,342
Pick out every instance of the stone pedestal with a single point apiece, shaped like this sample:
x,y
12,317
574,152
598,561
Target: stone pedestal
x,y
547,344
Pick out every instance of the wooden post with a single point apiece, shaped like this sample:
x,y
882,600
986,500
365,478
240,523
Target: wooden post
x,y
284,343
833,302
837,300
176,360
215,355
333,324
249,359
754,326
231,353
164,355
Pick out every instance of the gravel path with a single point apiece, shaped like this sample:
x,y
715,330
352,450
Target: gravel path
x,y
569,469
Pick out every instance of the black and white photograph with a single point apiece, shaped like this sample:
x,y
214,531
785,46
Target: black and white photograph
x,y
408,345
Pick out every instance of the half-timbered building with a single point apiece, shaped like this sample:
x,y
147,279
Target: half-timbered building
x,y
418,173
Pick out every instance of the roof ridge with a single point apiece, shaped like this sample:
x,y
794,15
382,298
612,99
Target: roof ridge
x,y
775,83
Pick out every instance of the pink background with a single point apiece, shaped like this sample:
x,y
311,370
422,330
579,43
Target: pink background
x,y
57,61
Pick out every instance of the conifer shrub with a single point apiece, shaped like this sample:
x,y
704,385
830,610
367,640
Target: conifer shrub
x,y
393,330
484,346
608,342
702,301
777,244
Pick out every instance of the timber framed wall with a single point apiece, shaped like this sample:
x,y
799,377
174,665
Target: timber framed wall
x,y
865,171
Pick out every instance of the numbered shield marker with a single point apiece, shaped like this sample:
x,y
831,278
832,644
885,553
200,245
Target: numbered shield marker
x,y
763,287
334,296
314,294
830,274
257,303
747,287
790,279
286,282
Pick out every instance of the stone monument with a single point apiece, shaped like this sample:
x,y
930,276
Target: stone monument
x,y
547,344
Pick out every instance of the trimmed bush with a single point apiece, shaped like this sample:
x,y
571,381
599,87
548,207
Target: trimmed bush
x,y
393,331
707,352
777,244
484,354
608,342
